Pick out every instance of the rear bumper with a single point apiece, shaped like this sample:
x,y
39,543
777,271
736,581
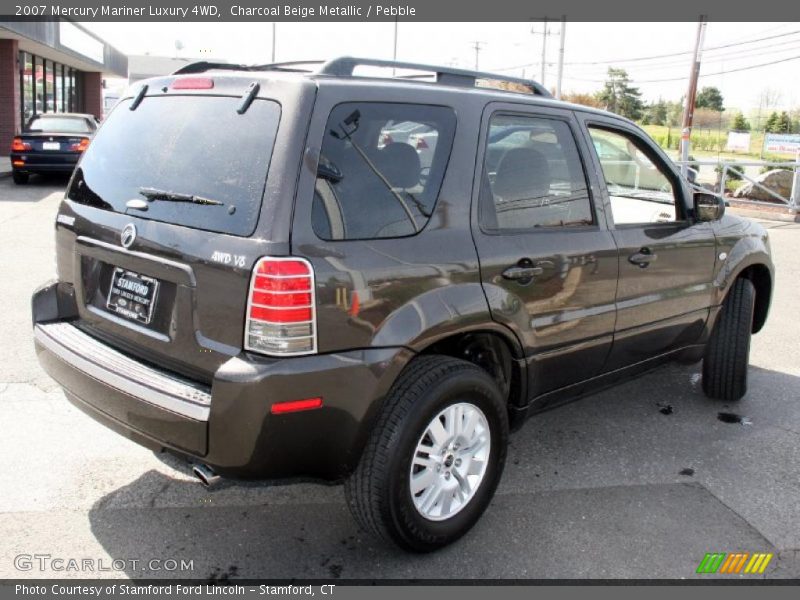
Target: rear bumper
x,y
228,425
45,163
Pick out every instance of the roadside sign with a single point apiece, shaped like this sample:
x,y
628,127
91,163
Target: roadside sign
x,y
738,140
782,142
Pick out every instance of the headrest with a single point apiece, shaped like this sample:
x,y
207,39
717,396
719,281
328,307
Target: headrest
x,y
522,173
399,163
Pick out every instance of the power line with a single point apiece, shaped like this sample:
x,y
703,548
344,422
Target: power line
x,y
747,68
710,48
653,57
723,58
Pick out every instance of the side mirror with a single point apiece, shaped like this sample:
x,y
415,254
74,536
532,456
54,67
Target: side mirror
x,y
708,207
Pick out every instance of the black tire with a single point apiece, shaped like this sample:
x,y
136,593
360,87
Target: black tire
x,y
728,351
378,492
20,178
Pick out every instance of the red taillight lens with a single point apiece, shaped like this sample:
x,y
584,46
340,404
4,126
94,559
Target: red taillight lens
x,y
280,408
387,139
17,145
193,83
80,146
421,144
281,316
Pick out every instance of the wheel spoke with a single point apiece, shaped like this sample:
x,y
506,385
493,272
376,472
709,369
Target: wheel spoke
x,y
438,434
431,497
469,427
476,467
463,485
422,479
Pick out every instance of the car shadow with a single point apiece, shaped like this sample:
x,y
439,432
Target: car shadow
x,y
629,472
36,189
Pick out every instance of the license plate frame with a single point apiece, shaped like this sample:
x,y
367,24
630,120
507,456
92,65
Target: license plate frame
x,y
135,298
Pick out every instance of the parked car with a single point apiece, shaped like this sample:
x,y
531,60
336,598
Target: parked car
x,y
51,143
313,305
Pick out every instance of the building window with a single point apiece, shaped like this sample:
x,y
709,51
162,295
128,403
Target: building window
x,y
46,86
49,87
39,88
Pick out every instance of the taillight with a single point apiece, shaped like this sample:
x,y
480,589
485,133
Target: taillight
x,y
421,143
80,146
386,139
17,145
281,315
193,83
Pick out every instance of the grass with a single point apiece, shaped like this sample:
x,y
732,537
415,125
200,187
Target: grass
x,y
710,143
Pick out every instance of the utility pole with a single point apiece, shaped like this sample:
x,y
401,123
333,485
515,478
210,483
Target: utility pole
x,y
477,46
544,49
394,50
273,41
691,93
561,57
545,33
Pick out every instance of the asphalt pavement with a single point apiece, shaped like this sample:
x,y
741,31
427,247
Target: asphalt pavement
x,y
638,481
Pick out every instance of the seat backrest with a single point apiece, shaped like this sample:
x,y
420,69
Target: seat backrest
x,y
523,173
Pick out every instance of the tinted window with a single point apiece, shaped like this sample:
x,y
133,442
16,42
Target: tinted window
x,y
533,176
60,125
187,145
640,191
376,179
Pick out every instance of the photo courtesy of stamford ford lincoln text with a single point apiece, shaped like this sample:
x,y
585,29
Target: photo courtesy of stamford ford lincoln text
x,y
453,297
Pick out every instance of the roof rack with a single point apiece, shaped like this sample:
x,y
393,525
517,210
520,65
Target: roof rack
x,y
345,65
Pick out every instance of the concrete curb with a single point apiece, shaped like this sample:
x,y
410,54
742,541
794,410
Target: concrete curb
x,y
752,212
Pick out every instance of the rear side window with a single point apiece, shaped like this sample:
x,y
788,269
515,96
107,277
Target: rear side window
x,y
172,150
380,169
533,176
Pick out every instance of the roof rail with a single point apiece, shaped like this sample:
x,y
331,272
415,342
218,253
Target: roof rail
x,y
345,65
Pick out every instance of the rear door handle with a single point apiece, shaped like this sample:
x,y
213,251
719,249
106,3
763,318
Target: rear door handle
x,y
642,258
518,273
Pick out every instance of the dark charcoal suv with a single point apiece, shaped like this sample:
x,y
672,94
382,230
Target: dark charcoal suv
x,y
258,273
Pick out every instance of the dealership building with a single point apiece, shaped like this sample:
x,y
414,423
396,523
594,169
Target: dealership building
x,y
51,67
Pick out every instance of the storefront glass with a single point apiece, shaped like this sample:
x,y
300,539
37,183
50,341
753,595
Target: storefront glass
x,y
46,86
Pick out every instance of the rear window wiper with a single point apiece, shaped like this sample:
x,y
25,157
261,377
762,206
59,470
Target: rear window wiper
x,y
155,194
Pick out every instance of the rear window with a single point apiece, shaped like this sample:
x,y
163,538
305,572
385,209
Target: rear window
x,y
60,125
175,148
380,169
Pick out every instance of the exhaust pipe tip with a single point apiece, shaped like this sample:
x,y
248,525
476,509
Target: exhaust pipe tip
x,y
205,475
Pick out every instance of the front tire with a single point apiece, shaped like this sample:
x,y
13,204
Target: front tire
x,y
728,351
435,456
20,178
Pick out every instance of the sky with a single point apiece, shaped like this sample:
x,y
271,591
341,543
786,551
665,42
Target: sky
x,y
512,49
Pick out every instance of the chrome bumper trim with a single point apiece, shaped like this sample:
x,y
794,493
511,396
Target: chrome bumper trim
x,y
103,363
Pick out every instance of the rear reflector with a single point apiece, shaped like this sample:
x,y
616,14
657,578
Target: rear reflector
x,y
18,163
193,83
280,408
281,314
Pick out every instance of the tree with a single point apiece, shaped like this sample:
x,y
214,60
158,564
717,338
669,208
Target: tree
x,y
709,97
784,123
656,114
618,96
773,123
584,99
740,123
